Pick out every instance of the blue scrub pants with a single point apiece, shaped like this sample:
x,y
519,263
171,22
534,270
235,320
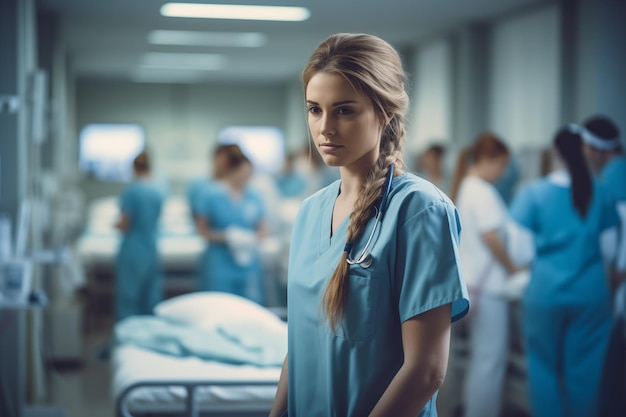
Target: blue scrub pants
x,y
139,285
566,346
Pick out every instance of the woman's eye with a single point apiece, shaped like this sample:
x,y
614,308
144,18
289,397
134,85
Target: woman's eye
x,y
313,109
345,110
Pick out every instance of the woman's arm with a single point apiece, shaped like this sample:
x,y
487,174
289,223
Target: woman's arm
x,y
204,230
280,402
497,248
426,344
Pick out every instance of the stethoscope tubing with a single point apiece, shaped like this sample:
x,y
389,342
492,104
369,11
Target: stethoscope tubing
x,y
364,259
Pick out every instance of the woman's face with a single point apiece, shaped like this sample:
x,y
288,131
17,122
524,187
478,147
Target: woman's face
x,y
240,175
494,167
343,124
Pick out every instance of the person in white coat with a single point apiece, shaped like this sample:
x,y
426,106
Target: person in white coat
x,y
486,267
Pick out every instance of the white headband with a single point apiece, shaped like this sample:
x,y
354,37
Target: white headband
x,y
596,142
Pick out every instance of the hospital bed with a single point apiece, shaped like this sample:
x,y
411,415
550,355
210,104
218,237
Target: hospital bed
x,y
221,379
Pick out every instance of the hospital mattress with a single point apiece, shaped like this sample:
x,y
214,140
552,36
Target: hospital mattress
x,y
252,392
174,250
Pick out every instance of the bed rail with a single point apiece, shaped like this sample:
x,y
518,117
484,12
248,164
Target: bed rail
x,y
192,409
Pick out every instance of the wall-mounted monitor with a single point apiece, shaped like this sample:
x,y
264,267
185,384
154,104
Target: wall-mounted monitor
x,y
107,150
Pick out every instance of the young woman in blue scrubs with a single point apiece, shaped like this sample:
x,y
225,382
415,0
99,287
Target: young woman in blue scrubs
x,y
229,203
369,324
605,153
139,284
567,306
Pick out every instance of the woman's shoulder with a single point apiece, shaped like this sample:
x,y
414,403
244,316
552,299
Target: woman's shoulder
x,y
413,194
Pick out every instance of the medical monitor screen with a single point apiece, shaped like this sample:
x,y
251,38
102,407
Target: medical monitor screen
x,y
107,151
263,145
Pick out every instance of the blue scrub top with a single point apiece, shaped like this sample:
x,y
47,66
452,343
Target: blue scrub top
x,y
222,211
196,192
141,201
568,265
415,269
613,177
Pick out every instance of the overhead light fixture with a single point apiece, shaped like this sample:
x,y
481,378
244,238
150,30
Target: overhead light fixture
x,y
197,38
235,11
167,60
167,77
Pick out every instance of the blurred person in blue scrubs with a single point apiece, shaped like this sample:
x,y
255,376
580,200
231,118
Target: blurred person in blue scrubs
x,y
290,181
486,267
605,153
567,304
199,186
369,323
139,284
231,217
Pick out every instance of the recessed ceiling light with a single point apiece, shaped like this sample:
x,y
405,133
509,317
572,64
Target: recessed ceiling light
x,y
235,11
209,62
197,38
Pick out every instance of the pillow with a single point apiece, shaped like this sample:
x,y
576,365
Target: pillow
x,y
213,310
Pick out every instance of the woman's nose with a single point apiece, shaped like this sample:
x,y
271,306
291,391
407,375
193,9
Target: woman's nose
x,y
327,125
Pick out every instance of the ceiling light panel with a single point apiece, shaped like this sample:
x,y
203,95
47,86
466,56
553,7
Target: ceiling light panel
x,y
235,11
197,38
183,61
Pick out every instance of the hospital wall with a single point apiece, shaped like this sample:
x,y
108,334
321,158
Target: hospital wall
x,y
181,121
520,75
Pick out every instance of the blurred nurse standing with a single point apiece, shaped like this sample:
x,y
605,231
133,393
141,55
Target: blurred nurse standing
x,y
139,284
566,307
486,267
231,218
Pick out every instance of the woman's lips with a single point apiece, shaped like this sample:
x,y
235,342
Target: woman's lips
x,y
330,147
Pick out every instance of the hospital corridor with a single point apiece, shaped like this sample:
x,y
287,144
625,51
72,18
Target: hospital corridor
x,y
155,156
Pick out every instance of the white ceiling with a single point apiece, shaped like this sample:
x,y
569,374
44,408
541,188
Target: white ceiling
x,y
106,39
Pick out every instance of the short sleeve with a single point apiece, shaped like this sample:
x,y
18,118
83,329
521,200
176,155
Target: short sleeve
x,y
428,271
523,210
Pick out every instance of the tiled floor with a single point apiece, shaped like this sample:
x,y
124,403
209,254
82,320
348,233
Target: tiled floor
x,y
85,391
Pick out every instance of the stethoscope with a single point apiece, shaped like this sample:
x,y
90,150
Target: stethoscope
x,y
365,259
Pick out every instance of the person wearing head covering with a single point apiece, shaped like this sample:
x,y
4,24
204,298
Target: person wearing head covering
x,y
374,277
139,285
605,151
231,217
567,304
